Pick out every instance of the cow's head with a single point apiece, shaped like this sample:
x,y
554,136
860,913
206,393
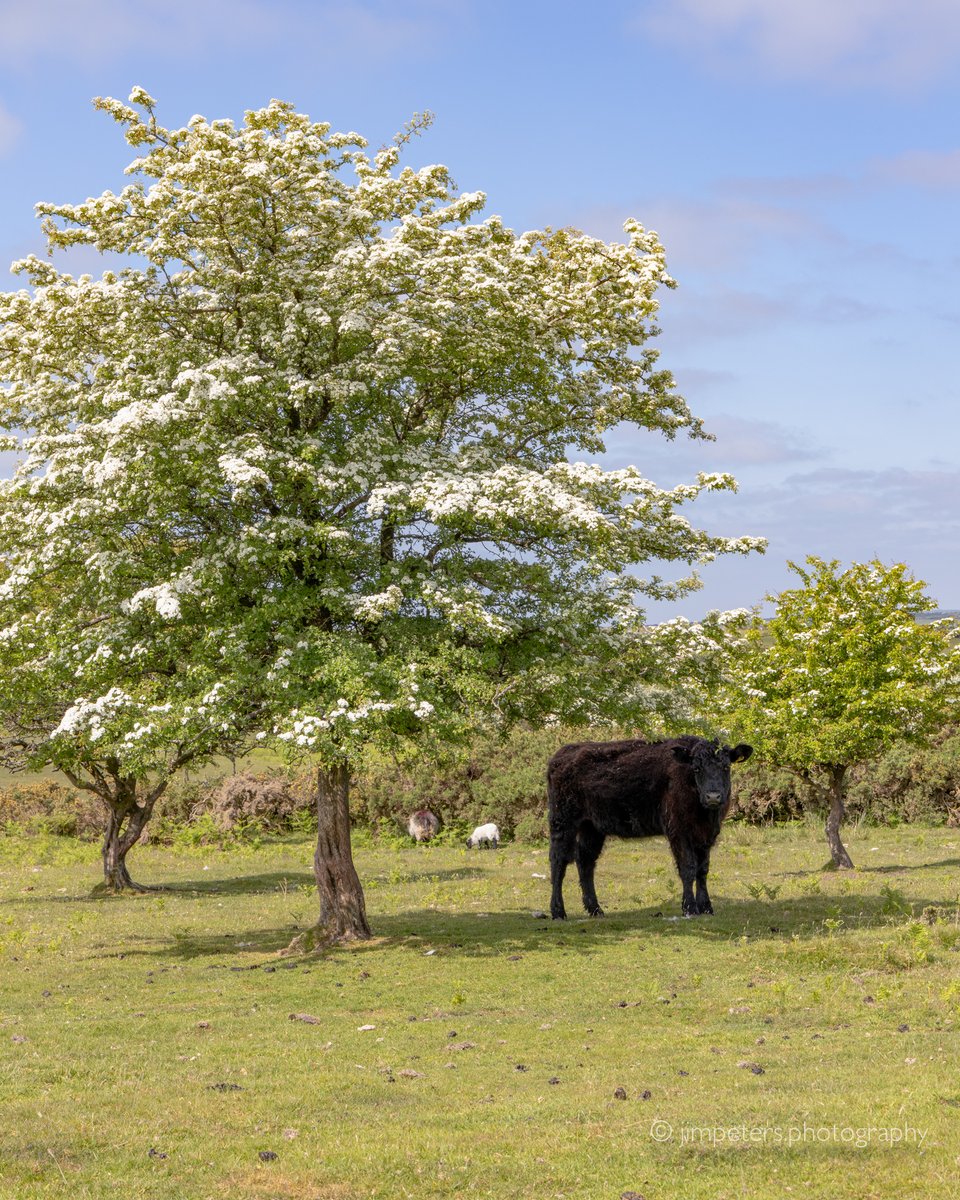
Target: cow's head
x,y
710,763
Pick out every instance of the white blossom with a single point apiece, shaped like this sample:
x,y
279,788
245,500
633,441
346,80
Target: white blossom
x,y
331,418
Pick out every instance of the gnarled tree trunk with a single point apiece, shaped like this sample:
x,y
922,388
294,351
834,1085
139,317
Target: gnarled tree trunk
x,y
126,819
343,916
835,816
116,877
127,816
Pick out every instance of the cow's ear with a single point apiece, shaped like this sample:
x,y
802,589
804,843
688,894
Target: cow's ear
x,y
740,753
682,754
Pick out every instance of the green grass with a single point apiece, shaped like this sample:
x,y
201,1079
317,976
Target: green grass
x,y
161,1023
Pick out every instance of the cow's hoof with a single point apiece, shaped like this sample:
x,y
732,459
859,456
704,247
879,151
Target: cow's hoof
x,y
558,916
596,912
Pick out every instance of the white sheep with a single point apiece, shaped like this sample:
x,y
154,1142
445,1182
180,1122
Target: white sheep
x,y
488,835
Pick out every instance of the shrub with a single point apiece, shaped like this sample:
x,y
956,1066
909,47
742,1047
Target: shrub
x,y
908,783
47,806
172,813
531,827
199,811
911,783
492,779
205,830
501,779
268,800
763,794
385,792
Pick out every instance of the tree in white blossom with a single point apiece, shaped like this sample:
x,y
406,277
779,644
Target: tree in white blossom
x,y
676,674
841,672
155,696
321,444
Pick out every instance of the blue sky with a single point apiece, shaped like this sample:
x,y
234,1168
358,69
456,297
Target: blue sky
x,y
799,158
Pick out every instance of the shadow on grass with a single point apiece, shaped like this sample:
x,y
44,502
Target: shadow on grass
x,y
273,881
263,884
896,868
241,885
470,935
862,868
757,919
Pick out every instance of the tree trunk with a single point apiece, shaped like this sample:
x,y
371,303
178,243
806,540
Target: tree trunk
x,y
116,877
343,916
835,816
126,820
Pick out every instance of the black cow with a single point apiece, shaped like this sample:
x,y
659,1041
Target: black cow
x,y
679,787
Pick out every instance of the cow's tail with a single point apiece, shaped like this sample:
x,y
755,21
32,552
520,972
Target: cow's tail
x,y
551,797
555,821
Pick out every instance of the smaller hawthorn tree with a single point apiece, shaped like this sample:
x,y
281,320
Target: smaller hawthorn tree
x,y
841,672
124,747
117,690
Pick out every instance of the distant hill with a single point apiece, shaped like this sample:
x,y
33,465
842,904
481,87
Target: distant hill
x,y
940,614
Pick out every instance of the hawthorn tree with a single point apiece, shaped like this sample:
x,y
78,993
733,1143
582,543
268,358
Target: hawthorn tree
x,y
155,696
677,673
325,429
114,747
841,672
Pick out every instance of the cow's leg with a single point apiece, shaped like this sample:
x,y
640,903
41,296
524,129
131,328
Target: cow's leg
x,y
562,844
687,862
702,895
589,844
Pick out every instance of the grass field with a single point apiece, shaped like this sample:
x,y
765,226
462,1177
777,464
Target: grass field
x,y
802,1043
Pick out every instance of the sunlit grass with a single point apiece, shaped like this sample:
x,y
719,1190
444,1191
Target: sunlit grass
x,y
147,1047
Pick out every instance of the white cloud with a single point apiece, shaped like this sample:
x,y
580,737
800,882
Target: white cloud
x,y
719,232
102,30
701,380
713,233
740,442
892,514
10,129
698,313
933,169
99,30
921,168
892,44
